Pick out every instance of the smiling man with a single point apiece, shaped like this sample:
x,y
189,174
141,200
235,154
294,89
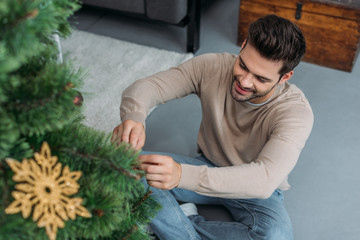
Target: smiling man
x,y
254,126
266,75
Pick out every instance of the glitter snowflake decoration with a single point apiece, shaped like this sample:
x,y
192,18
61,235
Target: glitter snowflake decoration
x,y
45,187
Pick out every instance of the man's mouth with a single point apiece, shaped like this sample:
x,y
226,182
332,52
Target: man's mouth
x,y
241,90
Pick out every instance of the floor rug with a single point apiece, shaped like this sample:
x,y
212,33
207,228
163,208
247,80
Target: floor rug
x,y
111,66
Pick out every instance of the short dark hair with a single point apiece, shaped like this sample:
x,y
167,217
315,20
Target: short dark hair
x,y
278,39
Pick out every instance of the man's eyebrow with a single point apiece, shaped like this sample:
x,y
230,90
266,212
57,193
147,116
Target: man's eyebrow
x,y
242,62
258,76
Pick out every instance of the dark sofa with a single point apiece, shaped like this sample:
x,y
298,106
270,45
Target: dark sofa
x,y
184,13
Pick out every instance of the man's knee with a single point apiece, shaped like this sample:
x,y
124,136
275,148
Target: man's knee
x,y
274,231
280,233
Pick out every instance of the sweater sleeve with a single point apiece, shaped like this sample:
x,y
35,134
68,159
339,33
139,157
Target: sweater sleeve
x,y
161,87
260,178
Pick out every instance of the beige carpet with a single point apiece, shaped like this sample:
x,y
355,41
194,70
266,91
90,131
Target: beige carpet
x,y
112,65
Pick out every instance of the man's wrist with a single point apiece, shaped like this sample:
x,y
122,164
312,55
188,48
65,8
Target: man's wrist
x,y
178,174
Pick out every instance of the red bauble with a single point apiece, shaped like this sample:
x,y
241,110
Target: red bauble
x,y
78,100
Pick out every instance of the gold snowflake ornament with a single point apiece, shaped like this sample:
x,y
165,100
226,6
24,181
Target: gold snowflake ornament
x,y
45,187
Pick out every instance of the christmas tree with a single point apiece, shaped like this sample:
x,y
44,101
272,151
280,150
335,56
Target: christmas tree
x,y
58,178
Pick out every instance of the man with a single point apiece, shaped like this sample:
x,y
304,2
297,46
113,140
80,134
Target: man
x,y
253,129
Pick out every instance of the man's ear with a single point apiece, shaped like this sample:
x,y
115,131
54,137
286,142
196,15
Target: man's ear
x,y
243,44
286,77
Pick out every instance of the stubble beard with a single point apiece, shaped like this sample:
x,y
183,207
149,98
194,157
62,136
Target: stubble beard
x,y
233,89
234,93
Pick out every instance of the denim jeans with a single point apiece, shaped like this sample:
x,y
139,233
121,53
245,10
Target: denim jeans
x,y
254,218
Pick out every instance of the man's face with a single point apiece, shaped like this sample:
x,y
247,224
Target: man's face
x,y
255,77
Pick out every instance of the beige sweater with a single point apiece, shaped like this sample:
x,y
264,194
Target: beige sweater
x,y
254,147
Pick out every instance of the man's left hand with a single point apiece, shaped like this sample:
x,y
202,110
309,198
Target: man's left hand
x,y
161,171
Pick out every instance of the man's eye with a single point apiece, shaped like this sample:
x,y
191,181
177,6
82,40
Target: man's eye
x,y
261,79
242,67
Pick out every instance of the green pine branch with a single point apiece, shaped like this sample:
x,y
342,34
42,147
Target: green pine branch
x,y
37,96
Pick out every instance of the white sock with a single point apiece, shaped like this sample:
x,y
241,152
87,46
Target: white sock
x,y
189,209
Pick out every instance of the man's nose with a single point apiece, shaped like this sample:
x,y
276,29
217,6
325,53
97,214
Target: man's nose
x,y
247,80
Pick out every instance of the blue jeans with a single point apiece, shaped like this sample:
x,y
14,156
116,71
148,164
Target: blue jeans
x,y
254,218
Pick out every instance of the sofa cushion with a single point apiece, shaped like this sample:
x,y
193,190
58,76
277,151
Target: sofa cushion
x,y
132,6
170,11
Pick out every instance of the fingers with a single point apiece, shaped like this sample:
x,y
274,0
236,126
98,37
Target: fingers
x,y
137,137
161,171
156,177
116,133
152,159
131,132
125,134
141,141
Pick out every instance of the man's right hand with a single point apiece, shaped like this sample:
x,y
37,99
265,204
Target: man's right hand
x,y
131,132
